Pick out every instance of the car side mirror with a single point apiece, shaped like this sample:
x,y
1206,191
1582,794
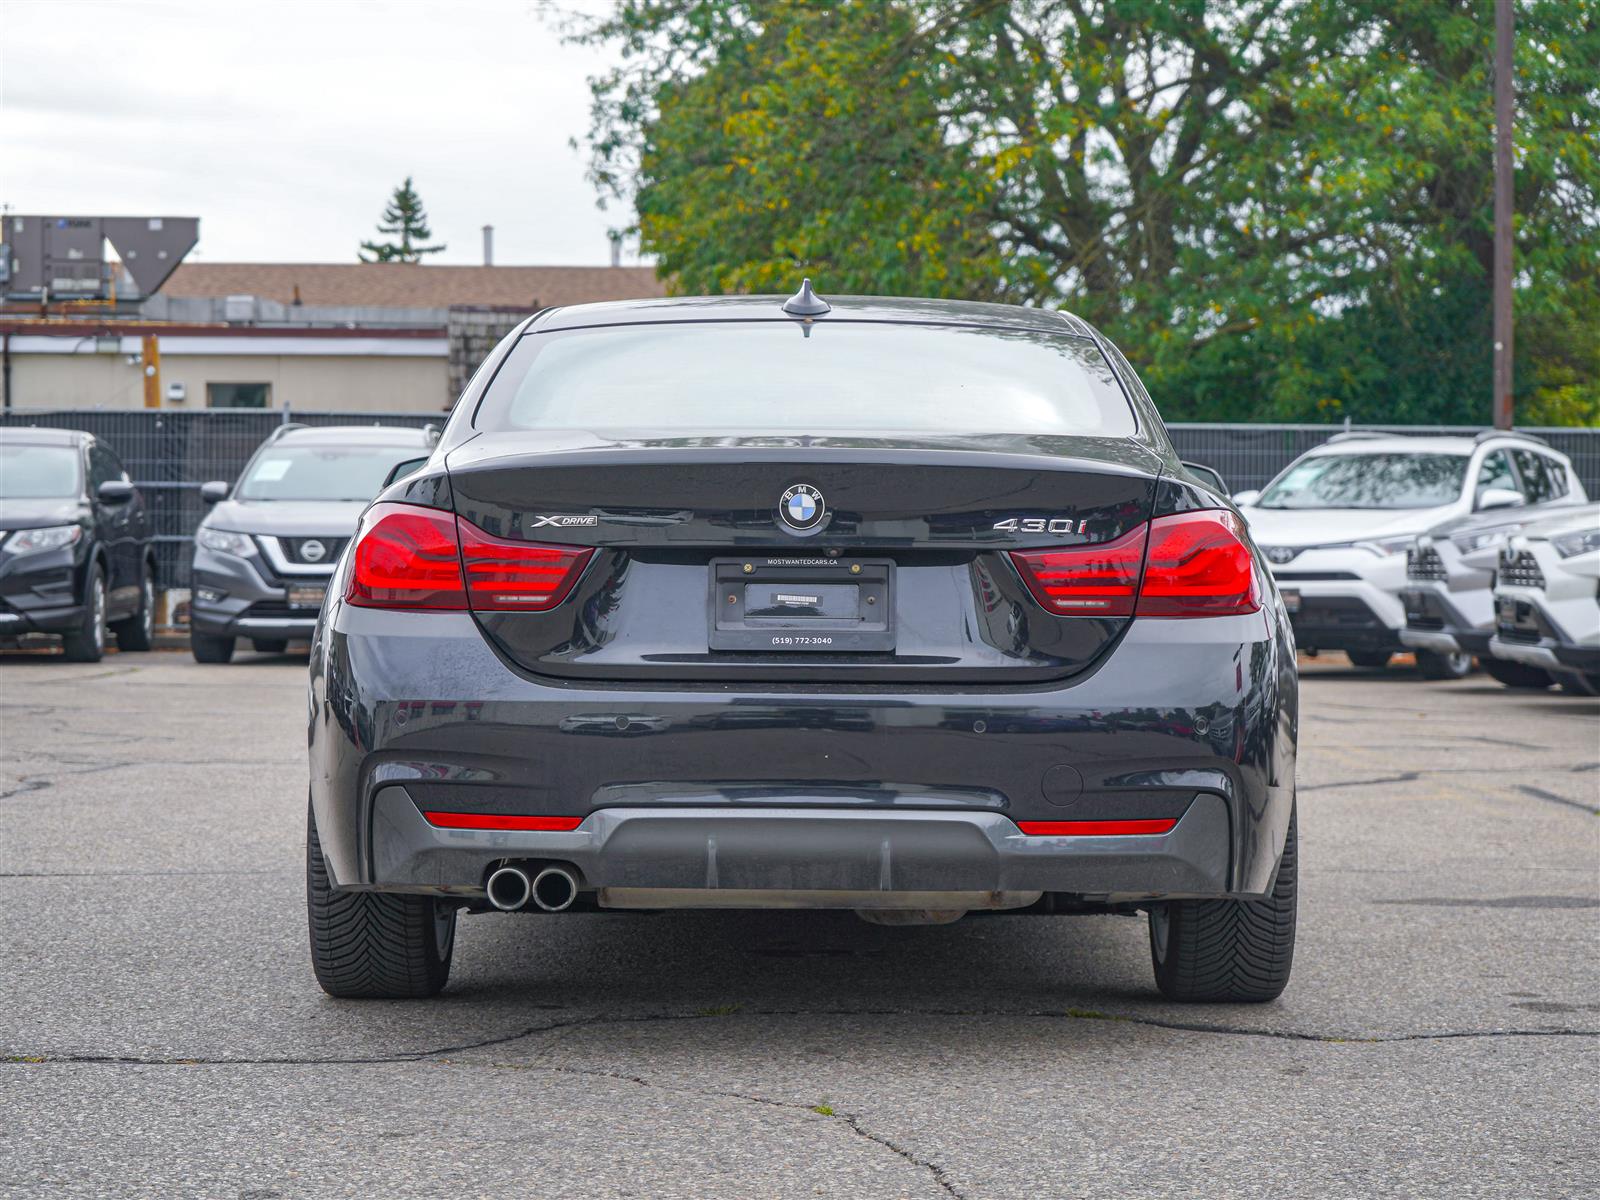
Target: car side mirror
x,y
1207,475
1248,496
214,491
114,491
1500,498
403,468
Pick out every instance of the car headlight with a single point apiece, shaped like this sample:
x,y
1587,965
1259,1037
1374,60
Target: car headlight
x,y
1468,542
1579,541
51,537
1390,545
224,542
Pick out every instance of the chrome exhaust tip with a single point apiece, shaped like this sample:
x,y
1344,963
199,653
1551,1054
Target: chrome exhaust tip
x,y
509,888
554,889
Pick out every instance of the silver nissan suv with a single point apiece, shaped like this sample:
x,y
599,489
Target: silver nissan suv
x,y
263,554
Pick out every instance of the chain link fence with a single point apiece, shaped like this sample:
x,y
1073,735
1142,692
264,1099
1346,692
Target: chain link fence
x,y
170,454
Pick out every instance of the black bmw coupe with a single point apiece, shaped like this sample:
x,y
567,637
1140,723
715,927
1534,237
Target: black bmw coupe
x,y
899,606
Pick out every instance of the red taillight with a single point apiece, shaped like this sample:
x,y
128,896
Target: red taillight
x,y
1186,565
1198,566
407,556
1086,581
501,821
1096,828
507,576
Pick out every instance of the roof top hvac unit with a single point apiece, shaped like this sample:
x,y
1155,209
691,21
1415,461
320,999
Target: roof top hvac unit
x,y
63,258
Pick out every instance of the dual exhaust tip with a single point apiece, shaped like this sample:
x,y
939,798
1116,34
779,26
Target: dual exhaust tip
x,y
552,889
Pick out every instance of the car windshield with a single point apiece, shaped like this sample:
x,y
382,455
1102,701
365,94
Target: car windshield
x,y
38,472
1368,481
769,376
322,472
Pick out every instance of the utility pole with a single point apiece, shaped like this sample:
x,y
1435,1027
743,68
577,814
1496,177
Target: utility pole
x,y
150,368
1504,87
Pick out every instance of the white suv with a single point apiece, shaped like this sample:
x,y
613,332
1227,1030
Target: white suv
x,y
1547,599
1335,526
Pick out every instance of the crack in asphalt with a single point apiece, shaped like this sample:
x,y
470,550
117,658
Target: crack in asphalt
x,y
12,1057
1541,794
37,783
851,1121
1407,777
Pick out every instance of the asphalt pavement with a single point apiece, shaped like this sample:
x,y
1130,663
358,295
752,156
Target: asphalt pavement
x,y
161,1033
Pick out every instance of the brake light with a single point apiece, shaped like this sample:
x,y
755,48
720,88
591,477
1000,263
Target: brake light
x,y
411,557
407,557
1086,581
1198,565
1186,565
508,576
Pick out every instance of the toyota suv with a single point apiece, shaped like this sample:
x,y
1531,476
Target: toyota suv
x,y
1547,599
1336,525
264,552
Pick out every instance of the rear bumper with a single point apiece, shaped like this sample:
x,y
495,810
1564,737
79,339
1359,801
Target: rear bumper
x,y
803,856
1193,721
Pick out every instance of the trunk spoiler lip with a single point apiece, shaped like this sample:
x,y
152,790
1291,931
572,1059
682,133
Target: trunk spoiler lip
x,y
1138,460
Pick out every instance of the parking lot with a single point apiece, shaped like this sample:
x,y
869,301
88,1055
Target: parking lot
x,y
162,1034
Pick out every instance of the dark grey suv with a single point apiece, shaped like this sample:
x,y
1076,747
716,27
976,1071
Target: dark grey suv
x,y
75,548
264,552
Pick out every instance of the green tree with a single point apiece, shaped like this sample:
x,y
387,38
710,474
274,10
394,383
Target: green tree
x,y
1279,208
406,220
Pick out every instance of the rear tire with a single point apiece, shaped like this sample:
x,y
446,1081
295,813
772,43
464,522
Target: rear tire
x,y
138,632
87,643
1232,951
1515,674
208,649
1444,666
1372,660
1581,685
268,645
370,945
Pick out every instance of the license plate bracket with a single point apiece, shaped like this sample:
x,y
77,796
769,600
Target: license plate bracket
x,y
802,605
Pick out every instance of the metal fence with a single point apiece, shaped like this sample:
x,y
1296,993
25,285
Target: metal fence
x,y
170,454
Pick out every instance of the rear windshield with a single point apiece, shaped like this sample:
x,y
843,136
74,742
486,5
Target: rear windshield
x,y
322,472
1368,481
31,472
771,376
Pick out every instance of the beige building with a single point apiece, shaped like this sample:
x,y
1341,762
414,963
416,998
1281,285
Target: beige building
x,y
357,337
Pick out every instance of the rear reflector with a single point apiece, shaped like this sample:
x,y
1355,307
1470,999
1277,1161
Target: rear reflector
x,y
1186,565
411,557
1086,581
1095,828
456,820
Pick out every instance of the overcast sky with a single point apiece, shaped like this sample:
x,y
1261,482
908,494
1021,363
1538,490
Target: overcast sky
x,y
284,126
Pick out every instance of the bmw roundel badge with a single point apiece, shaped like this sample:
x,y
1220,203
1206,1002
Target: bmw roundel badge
x,y
801,508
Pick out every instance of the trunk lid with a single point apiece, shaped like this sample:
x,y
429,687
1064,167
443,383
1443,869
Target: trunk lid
x,y
903,577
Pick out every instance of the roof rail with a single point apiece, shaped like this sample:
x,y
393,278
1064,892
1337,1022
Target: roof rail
x,y
1489,434
279,430
1358,435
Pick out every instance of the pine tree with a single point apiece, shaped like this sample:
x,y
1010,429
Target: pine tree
x,y
406,218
